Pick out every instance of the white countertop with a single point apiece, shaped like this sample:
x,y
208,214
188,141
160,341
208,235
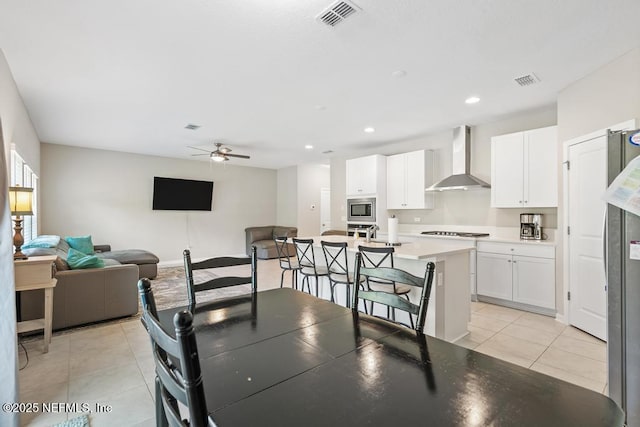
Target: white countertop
x,y
498,235
420,249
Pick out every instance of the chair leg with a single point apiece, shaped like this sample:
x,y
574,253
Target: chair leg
x,y
306,280
282,277
348,303
161,417
410,315
317,293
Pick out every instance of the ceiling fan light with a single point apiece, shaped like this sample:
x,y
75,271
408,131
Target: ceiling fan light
x,y
217,157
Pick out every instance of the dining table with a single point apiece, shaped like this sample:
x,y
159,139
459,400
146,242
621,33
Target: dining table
x,y
282,357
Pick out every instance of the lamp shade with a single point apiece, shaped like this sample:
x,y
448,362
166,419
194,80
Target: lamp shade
x,y
20,200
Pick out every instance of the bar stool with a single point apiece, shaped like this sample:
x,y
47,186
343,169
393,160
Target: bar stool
x,y
286,264
335,253
307,263
382,257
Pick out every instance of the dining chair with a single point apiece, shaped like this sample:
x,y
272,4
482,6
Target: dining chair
x,y
393,276
307,263
219,282
335,254
286,263
374,257
178,374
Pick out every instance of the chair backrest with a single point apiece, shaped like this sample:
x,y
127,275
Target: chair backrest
x,y
282,247
219,282
335,254
181,383
391,276
304,252
377,257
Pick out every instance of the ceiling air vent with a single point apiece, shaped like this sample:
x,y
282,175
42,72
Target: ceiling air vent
x,y
527,80
336,13
327,152
191,126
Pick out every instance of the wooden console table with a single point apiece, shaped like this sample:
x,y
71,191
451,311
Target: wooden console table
x,y
37,273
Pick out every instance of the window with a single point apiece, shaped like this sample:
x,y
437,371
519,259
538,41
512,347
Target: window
x,y
22,175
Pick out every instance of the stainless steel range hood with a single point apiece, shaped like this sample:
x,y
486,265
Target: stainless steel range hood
x,y
461,178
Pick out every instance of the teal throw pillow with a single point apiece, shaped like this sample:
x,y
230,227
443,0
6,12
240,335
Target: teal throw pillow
x,y
78,260
81,243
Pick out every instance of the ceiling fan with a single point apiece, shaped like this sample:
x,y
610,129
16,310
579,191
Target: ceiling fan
x,y
220,154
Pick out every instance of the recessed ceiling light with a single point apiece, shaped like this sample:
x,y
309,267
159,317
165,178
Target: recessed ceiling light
x,y
369,129
472,100
309,147
398,74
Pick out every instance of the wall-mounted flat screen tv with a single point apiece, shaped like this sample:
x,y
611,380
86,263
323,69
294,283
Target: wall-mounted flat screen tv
x,y
172,194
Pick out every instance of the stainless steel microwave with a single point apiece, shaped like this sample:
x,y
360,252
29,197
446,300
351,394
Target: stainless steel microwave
x,y
361,209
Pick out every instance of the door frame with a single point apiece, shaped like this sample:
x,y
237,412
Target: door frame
x,y
629,124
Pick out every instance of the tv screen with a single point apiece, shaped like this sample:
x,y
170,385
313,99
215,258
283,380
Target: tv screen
x,y
171,194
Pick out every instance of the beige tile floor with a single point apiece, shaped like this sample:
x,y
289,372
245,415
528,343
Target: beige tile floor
x,y
112,364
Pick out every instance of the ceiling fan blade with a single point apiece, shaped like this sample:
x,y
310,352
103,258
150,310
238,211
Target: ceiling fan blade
x,y
200,149
240,156
203,154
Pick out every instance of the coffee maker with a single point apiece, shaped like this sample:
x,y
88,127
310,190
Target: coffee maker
x,y
531,226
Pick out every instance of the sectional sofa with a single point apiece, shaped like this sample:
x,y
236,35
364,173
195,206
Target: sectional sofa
x,y
94,294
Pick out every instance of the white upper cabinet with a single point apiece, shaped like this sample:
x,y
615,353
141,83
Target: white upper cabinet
x,y
408,174
524,170
365,175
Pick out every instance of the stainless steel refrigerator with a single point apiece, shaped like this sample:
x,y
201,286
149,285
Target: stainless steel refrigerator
x,y
623,281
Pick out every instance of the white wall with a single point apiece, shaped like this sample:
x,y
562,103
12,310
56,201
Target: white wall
x,y
311,179
608,96
16,128
298,189
287,211
108,194
460,208
338,194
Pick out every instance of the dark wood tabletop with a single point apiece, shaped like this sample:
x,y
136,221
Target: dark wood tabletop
x,y
285,358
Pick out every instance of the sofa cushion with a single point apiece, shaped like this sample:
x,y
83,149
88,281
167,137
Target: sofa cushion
x,y
282,232
78,260
109,262
81,243
130,256
61,264
262,233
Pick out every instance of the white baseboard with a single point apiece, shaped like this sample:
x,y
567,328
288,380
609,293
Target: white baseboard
x,y
172,263
562,318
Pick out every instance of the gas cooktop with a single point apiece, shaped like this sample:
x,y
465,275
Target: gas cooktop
x,y
454,234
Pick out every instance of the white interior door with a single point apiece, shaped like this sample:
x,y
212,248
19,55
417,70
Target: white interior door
x,y
325,209
587,182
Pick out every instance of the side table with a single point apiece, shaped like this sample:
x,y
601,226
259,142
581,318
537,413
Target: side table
x,y
37,273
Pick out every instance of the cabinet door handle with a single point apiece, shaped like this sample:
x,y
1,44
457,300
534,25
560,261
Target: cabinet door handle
x,y
508,260
514,262
520,201
526,201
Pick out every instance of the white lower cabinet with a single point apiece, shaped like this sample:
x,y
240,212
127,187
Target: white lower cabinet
x,y
518,273
494,275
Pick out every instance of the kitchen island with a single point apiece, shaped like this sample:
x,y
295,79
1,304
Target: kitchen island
x,y
449,306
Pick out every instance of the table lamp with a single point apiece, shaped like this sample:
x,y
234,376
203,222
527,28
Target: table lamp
x,y
20,199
